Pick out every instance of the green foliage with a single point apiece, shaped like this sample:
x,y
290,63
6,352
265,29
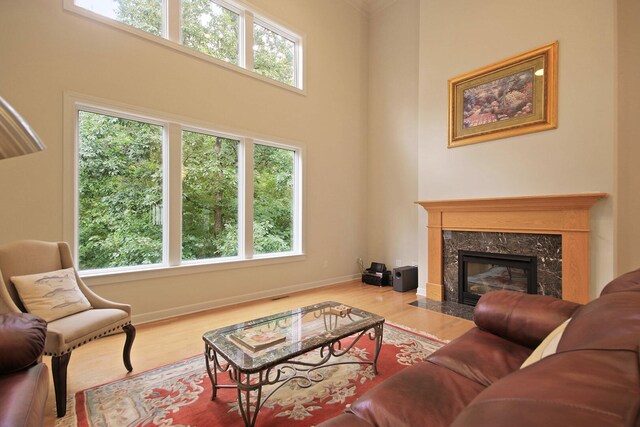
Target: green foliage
x,y
120,192
273,55
143,14
209,196
211,29
273,199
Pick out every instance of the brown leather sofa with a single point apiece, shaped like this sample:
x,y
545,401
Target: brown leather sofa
x,y
24,379
593,379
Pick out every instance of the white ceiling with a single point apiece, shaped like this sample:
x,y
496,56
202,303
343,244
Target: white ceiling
x,y
370,7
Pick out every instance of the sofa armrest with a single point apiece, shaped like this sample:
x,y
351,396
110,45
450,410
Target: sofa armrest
x,y
22,338
521,318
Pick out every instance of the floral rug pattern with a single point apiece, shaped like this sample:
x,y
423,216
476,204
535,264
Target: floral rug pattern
x,y
179,394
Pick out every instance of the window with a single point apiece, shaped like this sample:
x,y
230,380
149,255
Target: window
x,y
119,192
133,196
145,15
273,54
273,180
213,28
209,196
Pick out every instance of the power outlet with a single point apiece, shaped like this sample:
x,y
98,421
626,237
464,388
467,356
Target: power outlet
x,y
398,263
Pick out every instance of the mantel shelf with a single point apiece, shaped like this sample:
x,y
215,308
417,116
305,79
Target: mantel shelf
x,y
564,214
538,203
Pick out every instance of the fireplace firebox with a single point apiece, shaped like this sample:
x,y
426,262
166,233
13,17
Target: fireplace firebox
x,y
482,272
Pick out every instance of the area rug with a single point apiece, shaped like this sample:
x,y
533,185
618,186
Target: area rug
x,y
179,394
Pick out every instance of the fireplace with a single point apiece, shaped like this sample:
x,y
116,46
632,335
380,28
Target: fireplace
x,y
482,272
565,215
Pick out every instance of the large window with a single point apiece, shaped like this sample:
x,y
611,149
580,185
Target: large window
x,y
119,192
273,189
133,192
209,196
214,28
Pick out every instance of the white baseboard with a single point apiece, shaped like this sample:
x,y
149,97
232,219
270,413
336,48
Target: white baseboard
x,y
208,305
421,291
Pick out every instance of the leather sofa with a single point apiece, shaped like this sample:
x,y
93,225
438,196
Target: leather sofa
x,y
24,379
592,379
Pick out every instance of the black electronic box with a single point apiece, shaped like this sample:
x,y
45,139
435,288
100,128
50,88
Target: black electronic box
x,y
377,274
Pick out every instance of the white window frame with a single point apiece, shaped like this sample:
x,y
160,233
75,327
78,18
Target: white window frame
x,y
172,263
172,37
281,31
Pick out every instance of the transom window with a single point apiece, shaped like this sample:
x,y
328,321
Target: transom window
x,y
214,28
238,198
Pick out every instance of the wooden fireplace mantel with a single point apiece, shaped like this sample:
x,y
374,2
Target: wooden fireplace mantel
x,y
567,215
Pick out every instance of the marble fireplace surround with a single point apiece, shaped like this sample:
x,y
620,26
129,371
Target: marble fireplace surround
x,y
566,215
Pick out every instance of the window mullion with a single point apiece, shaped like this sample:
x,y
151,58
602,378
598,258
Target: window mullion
x,y
173,195
172,20
248,40
247,199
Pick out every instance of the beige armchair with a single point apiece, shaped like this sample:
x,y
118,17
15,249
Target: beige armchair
x,y
67,333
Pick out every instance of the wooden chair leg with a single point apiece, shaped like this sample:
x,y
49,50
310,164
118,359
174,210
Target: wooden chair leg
x,y
59,370
126,353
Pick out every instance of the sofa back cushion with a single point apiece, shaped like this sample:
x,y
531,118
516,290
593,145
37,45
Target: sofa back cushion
x,y
628,281
577,388
611,322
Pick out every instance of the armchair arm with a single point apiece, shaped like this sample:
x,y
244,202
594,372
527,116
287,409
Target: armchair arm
x,y
95,300
521,318
22,338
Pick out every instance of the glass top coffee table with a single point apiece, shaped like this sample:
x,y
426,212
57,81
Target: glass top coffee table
x,y
262,351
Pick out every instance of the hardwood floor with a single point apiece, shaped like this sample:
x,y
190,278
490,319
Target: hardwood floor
x,y
169,340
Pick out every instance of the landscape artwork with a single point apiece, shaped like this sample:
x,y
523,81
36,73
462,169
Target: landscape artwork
x,y
516,96
500,99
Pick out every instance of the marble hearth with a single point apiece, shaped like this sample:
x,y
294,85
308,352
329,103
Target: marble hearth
x,y
557,221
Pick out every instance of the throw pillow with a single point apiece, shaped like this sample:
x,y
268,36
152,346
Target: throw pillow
x,y
548,346
51,295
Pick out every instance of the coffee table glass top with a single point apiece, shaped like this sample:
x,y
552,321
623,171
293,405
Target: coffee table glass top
x,y
303,329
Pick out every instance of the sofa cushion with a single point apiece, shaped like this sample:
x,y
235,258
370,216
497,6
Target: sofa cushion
x,y
548,346
575,388
51,295
22,338
424,391
481,357
23,396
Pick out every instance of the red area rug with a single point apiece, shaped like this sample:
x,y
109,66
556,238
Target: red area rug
x,y
180,393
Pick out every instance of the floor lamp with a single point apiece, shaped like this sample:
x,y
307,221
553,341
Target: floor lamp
x,y
16,136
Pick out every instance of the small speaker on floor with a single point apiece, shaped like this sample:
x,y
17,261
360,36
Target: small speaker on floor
x,y
405,278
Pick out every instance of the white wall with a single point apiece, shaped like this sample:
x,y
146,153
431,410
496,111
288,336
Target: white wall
x,y
459,36
46,51
393,134
628,227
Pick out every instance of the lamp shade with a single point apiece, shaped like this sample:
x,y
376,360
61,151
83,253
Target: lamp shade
x,y
16,136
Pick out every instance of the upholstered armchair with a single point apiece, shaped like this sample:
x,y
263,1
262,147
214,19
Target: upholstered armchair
x,y
29,257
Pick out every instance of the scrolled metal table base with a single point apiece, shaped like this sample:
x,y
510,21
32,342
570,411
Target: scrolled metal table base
x,y
306,374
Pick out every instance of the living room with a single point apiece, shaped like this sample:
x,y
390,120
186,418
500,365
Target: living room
x,y
369,117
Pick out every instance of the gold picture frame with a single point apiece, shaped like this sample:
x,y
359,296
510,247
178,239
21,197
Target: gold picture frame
x,y
516,96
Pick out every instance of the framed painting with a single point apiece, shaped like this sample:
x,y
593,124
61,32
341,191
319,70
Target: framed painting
x,y
516,96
